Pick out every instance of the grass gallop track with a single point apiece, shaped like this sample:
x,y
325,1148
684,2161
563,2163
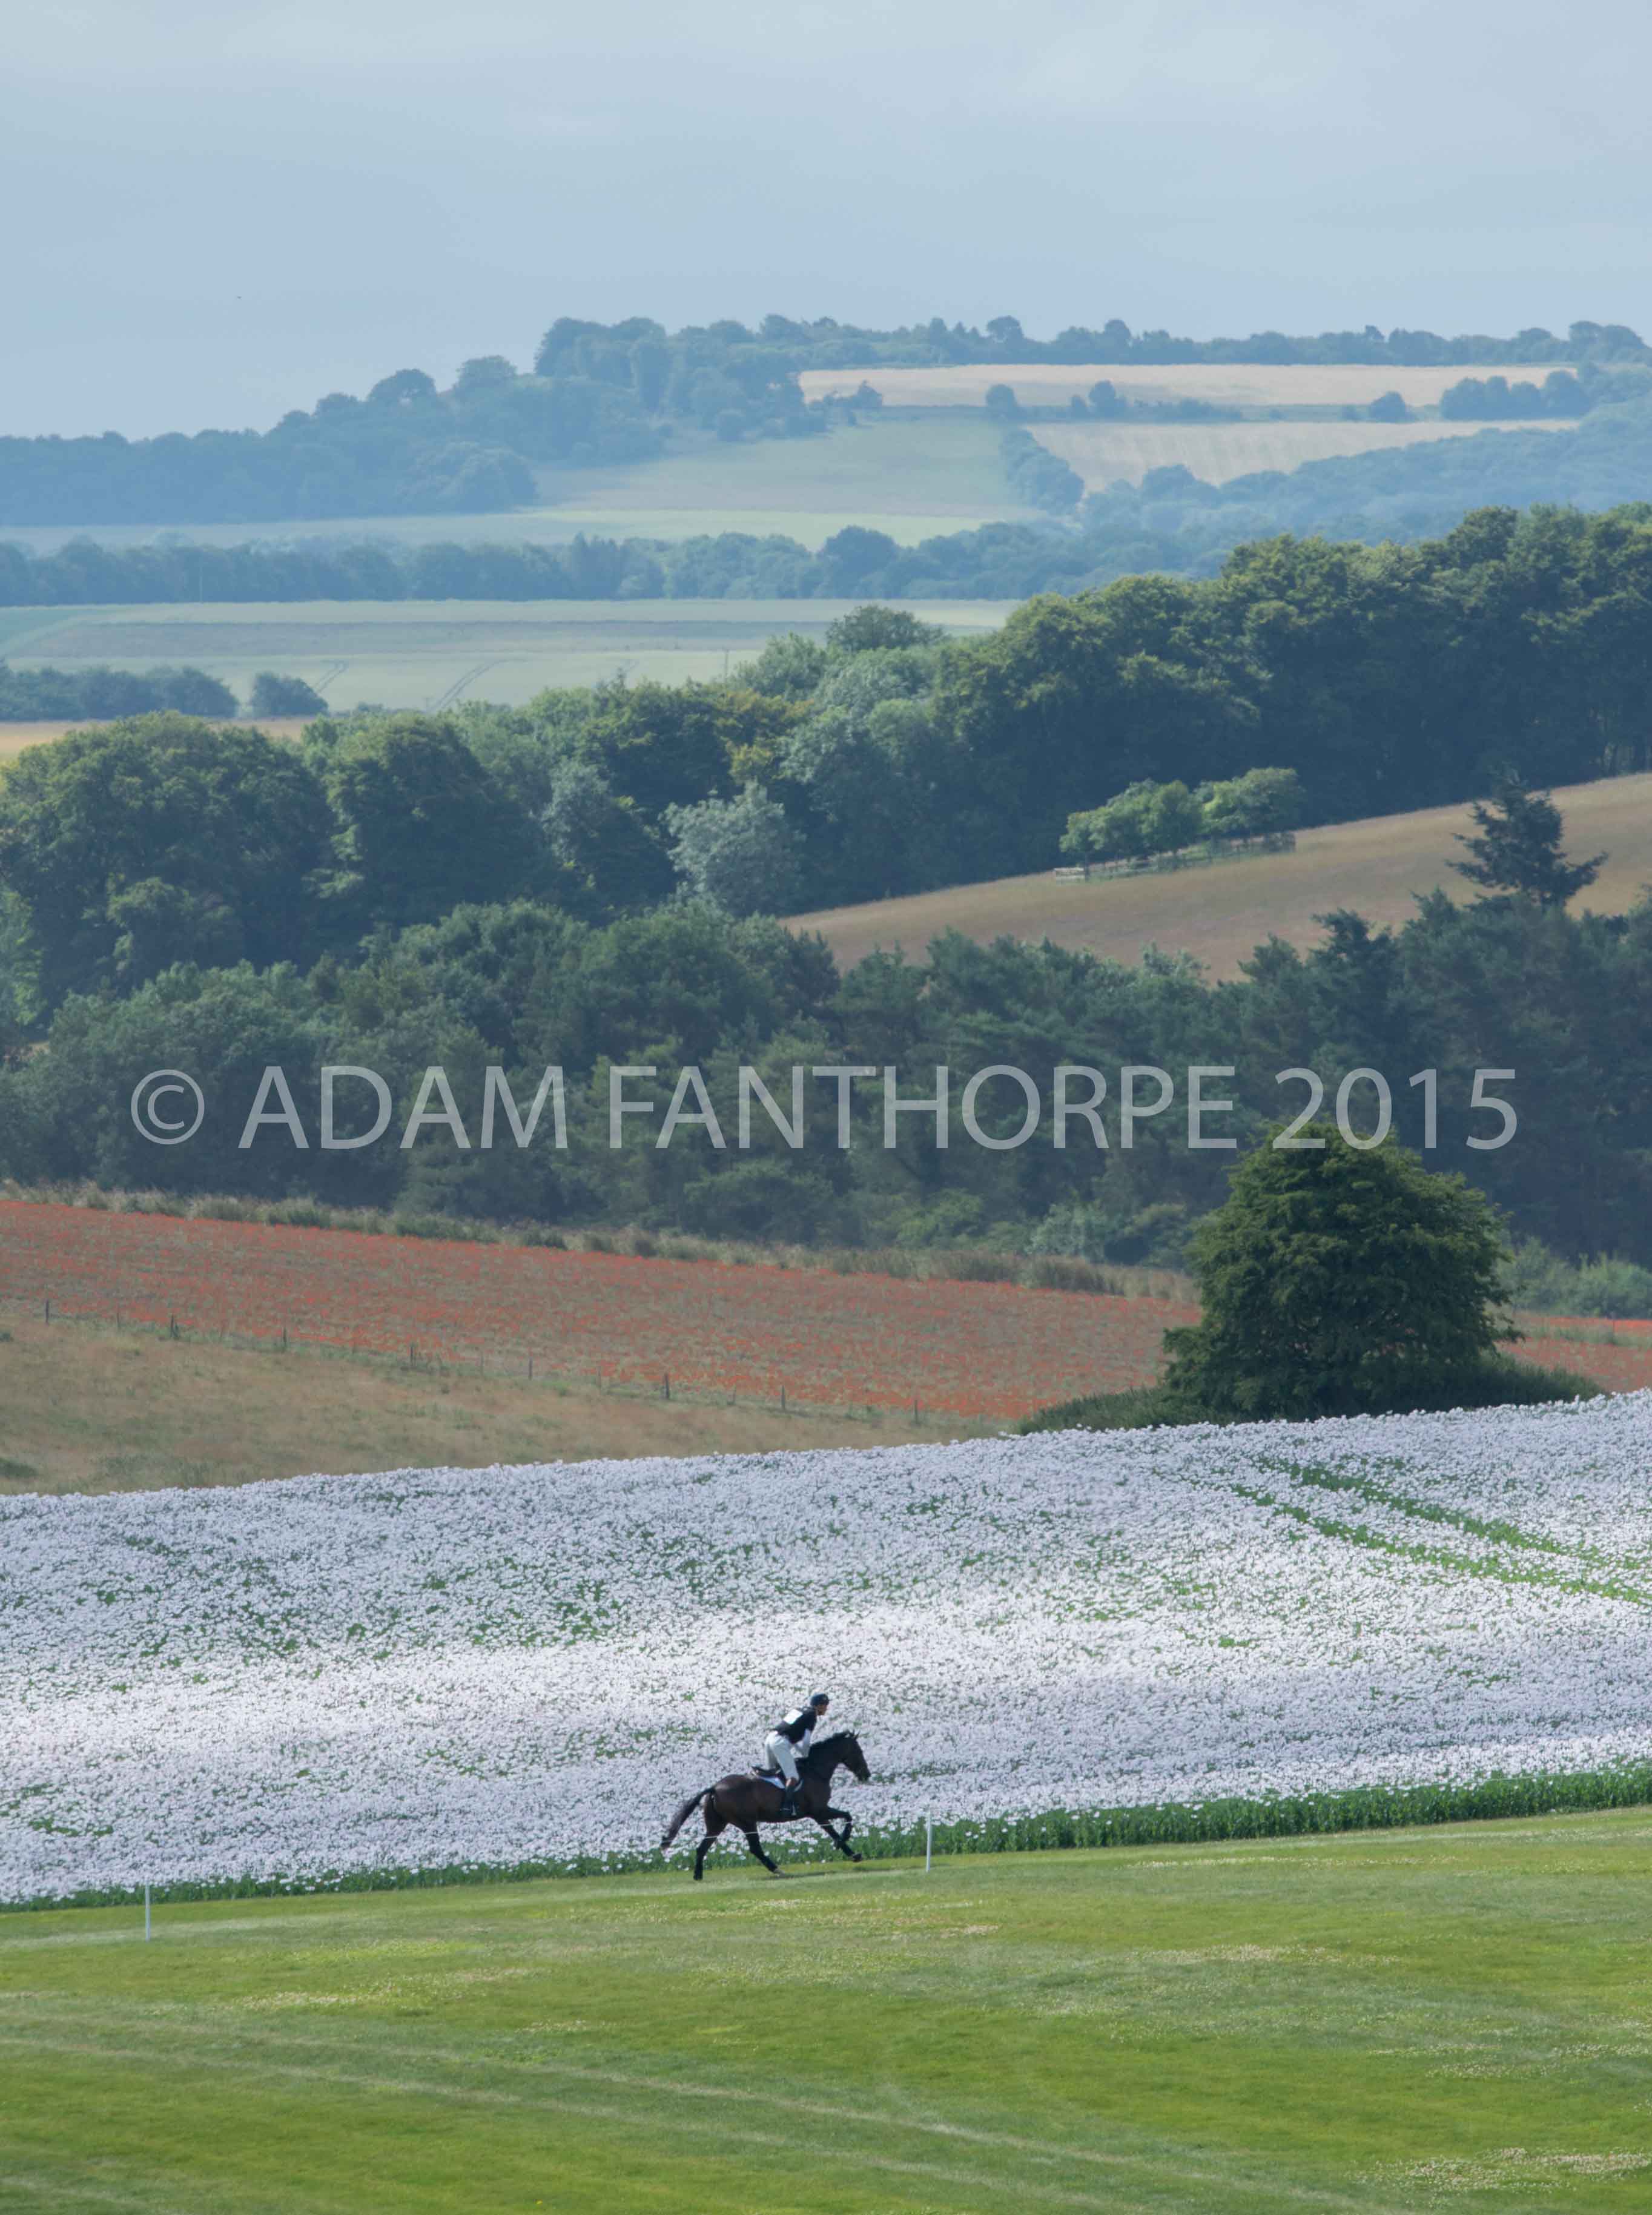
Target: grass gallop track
x,y
1386,2022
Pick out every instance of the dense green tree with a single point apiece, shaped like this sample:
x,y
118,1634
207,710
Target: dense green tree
x,y
481,374
420,824
1517,849
162,836
663,745
788,668
872,628
1263,803
1176,820
1073,698
676,986
611,858
741,855
68,1107
18,978
485,965
1336,1280
851,557
273,695
100,692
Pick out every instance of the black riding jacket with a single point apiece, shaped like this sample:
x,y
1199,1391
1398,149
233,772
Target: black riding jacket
x,y
799,1726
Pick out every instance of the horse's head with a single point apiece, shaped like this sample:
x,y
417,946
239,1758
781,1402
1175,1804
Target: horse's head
x,y
842,1749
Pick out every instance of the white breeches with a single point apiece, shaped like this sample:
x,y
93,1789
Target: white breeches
x,y
782,1755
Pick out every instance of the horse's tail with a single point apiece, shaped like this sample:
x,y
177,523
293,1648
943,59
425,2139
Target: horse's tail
x,y
682,1816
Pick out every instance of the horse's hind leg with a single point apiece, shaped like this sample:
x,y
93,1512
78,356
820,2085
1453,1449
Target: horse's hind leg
x,y
839,1838
714,1827
754,1845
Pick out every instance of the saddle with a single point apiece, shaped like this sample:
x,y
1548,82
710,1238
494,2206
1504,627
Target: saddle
x,y
769,1776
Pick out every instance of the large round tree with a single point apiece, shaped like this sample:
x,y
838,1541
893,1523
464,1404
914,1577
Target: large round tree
x,y
1339,1280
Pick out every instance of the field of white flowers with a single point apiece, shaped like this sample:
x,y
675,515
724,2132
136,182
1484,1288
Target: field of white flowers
x,y
426,1669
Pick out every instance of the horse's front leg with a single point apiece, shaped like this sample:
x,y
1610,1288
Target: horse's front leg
x,y
839,1838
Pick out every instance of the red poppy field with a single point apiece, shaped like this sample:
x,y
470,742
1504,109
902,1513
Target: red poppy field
x,y
984,1351
991,1351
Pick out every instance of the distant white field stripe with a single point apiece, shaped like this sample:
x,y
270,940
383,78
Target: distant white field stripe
x,y
431,1668
1108,453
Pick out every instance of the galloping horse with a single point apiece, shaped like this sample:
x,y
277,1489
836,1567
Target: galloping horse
x,y
741,1801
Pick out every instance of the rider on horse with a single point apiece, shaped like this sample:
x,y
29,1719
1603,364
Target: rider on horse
x,y
787,1742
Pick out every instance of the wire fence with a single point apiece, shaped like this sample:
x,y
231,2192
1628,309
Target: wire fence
x,y
607,1379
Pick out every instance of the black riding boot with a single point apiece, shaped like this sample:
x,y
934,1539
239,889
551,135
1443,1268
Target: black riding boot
x,y
788,1796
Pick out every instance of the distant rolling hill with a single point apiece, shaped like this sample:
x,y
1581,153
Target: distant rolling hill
x,y
1124,452
1224,384
1220,912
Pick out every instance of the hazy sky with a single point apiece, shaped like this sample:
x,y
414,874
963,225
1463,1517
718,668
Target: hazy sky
x,y
219,211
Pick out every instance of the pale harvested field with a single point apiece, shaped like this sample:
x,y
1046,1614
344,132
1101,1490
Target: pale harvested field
x,y
14,737
1243,385
1220,913
1105,453
86,1409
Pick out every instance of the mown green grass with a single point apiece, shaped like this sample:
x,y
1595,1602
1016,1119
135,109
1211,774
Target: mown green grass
x,y
1457,2016
913,478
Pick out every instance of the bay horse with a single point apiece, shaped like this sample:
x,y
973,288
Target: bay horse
x,y
741,1801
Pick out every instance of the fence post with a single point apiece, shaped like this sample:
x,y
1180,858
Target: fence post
x,y
929,1844
146,1929
665,1381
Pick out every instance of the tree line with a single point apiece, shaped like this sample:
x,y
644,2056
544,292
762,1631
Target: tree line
x,y
603,393
522,985
595,393
590,880
1172,522
887,760
834,345
101,694
1148,820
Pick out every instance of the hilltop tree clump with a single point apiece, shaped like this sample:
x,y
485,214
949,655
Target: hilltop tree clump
x,y
275,695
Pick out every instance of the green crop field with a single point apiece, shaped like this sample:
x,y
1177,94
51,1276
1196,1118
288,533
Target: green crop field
x,y
1387,2022
1220,913
423,653
910,479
